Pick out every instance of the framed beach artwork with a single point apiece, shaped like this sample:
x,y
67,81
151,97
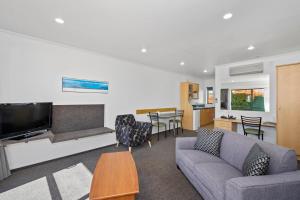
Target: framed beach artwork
x,y
84,86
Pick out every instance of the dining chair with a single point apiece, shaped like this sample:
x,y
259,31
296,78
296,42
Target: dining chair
x,y
252,125
177,120
154,119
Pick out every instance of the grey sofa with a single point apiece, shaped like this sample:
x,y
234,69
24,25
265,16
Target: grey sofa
x,y
221,178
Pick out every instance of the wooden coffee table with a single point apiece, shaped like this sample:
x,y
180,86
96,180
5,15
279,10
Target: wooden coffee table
x,y
115,177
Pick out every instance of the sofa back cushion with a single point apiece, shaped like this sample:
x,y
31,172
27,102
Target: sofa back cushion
x,y
235,148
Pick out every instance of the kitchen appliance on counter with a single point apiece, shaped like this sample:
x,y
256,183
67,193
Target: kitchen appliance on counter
x,y
228,117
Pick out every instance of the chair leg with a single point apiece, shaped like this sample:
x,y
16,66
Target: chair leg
x,y
258,136
169,126
262,137
174,131
177,127
158,133
129,149
165,130
149,142
181,127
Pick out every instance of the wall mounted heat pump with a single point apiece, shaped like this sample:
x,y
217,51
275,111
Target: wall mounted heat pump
x,y
255,68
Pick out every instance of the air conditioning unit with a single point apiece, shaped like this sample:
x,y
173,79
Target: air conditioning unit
x,y
256,68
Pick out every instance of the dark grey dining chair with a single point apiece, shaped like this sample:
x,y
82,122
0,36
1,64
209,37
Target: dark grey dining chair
x,y
177,120
252,125
154,119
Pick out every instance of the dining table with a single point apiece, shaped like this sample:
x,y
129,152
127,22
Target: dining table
x,y
169,115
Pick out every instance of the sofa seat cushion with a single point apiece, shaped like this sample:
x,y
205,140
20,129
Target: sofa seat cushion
x,y
192,157
214,176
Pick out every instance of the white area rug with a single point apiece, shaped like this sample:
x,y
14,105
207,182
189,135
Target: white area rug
x,y
35,190
74,182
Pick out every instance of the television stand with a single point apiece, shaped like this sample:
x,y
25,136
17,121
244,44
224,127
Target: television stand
x,y
26,136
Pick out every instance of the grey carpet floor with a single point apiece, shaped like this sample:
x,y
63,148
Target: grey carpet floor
x,y
158,176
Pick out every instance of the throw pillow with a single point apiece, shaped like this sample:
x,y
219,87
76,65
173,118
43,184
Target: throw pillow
x,y
256,162
209,141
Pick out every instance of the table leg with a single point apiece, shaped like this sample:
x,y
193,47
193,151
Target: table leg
x,y
174,131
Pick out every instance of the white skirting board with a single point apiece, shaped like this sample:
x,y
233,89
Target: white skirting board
x,y
25,154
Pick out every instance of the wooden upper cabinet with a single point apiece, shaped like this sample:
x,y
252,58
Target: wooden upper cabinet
x,y
195,90
195,87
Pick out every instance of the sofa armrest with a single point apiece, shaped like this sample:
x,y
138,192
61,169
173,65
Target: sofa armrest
x,y
185,142
270,187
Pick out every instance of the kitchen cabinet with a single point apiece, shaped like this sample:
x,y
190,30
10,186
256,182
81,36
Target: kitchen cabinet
x,y
226,124
188,91
207,116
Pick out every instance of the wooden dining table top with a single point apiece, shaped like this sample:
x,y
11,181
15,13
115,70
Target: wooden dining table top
x,y
167,115
115,176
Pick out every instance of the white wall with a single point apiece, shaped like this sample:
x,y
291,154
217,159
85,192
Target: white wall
x,y
31,71
270,63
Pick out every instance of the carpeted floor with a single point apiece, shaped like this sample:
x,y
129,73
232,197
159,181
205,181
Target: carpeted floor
x,y
158,176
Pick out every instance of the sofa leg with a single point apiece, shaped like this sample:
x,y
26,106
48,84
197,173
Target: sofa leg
x,y
178,167
117,145
149,142
129,149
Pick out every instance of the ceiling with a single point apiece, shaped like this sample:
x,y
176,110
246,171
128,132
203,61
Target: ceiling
x,y
192,31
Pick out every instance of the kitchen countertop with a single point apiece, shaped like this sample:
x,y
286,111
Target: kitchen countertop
x,y
206,107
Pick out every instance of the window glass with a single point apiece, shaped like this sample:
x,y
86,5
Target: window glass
x,y
224,99
210,95
248,99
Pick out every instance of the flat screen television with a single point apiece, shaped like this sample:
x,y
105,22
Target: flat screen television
x,y
22,119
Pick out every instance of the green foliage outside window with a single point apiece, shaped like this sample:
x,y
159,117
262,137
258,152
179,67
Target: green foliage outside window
x,y
248,99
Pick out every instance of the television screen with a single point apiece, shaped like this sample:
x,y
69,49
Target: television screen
x,y
19,119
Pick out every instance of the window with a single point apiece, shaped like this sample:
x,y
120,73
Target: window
x,y
248,99
210,95
224,99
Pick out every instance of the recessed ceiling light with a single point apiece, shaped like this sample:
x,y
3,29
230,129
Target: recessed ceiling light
x,y
144,50
205,71
182,63
59,20
227,16
251,47
232,81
